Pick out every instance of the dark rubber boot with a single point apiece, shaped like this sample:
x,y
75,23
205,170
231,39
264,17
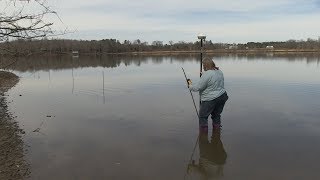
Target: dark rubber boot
x,y
216,126
203,129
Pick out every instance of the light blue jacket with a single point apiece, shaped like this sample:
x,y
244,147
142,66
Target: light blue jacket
x,y
210,85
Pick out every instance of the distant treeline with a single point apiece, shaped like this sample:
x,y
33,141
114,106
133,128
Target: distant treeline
x,y
57,46
46,63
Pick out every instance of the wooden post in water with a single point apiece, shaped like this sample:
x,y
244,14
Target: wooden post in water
x,y
104,98
72,80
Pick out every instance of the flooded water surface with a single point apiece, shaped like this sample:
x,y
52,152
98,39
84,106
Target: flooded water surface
x,y
133,118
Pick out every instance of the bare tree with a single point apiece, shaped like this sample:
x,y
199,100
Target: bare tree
x,y
24,19
20,21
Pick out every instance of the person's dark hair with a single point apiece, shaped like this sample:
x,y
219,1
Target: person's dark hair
x,y
209,64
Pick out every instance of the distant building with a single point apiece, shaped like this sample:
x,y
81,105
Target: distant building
x,y
270,47
233,47
75,52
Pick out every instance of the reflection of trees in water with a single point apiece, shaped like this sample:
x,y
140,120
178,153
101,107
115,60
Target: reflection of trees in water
x,y
112,61
67,62
308,57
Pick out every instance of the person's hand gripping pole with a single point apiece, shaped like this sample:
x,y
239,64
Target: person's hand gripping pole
x,y
189,82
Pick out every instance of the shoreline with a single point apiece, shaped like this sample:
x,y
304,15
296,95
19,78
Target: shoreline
x,y
222,51
12,162
168,52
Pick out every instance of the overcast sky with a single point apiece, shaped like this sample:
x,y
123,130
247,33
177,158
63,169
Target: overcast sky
x,y
177,20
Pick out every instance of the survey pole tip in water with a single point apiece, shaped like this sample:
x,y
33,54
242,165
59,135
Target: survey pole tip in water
x,y
202,38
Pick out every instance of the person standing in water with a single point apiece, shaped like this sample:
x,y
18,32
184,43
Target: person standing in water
x,y
213,95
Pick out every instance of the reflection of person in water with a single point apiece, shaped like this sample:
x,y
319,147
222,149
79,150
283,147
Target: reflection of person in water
x,y
212,157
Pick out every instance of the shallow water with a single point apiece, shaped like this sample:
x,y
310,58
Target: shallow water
x,y
133,118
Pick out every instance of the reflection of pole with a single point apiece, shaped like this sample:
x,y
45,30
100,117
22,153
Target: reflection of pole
x,y
72,81
72,78
49,76
34,72
104,99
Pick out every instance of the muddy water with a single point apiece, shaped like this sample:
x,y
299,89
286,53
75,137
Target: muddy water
x,y
133,118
